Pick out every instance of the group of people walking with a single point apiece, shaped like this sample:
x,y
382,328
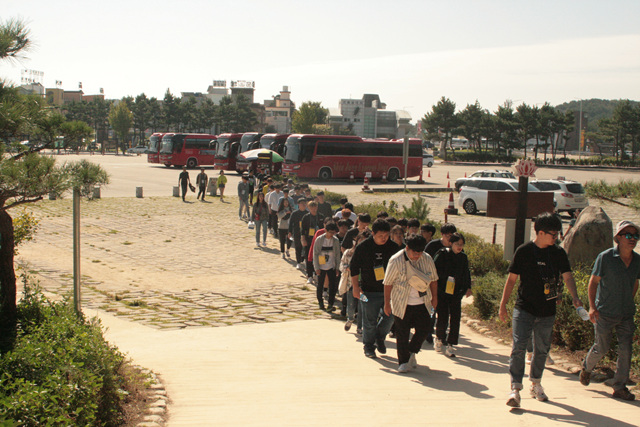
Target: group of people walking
x,y
393,277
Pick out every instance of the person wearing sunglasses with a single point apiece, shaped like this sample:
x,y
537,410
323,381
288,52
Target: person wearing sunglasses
x,y
541,266
612,287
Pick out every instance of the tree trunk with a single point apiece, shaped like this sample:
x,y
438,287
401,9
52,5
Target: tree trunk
x,y
7,283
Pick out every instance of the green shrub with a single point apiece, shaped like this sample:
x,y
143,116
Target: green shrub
x,y
419,209
570,330
487,293
25,226
375,207
484,257
60,371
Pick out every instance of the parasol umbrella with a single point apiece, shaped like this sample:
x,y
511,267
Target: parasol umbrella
x,y
254,154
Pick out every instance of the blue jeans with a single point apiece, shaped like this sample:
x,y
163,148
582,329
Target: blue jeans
x,y
375,324
523,325
351,308
262,224
604,327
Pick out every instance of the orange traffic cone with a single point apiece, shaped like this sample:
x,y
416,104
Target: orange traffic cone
x,y
420,180
428,174
451,210
447,175
448,184
465,174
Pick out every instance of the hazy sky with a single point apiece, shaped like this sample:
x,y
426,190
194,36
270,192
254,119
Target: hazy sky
x,y
411,53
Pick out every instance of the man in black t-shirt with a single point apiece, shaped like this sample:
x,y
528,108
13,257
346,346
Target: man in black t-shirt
x,y
295,224
362,224
184,181
311,222
443,242
324,208
541,266
369,261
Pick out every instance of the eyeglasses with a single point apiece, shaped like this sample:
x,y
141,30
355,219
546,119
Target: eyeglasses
x,y
554,235
630,236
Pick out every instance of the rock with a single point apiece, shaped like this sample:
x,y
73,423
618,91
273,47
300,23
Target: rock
x,y
592,234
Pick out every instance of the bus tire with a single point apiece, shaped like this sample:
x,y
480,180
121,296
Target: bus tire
x,y
192,163
167,165
325,174
393,175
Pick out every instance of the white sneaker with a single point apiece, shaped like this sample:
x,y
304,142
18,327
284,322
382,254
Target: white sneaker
x,y
413,363
537,392
258,245
300,267
550,361
310,281
325,295
404,368
437,345
449,351
514,398
529,357
283,256
264,243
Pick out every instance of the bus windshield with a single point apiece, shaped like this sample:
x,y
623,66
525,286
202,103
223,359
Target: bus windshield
x,y
222,150
154,143
245,141
167,145
292,150
266,141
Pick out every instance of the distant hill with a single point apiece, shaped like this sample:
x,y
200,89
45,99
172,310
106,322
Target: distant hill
x,y
594,109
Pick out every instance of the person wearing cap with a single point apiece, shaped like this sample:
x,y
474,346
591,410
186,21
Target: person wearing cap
x,y
201,182
243,195
541,266
612,287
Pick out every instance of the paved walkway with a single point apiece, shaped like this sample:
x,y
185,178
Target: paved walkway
x,y
313,373
161,276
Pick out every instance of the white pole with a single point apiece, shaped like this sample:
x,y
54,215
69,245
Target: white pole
x,y
580,133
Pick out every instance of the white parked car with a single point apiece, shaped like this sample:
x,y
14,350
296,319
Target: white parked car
x,y
427,159
568,195
490,173
140,149
474,192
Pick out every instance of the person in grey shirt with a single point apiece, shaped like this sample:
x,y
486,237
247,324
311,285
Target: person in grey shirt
x,y
612,287
244,191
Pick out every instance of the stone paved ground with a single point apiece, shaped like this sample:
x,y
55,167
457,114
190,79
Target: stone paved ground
x,y
171,264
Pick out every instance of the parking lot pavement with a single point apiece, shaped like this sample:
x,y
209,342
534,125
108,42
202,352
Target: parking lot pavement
x,y
129,172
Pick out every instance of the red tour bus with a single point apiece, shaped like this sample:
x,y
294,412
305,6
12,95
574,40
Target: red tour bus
x,y
274,141
155,142
270,141
187,149
334,156
227,151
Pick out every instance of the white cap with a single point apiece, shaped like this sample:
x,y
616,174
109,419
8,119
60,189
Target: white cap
x,y
624,224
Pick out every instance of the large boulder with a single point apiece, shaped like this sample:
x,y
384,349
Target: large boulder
x,y
591,234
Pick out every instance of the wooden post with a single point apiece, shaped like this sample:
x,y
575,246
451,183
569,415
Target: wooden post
x,y
521,211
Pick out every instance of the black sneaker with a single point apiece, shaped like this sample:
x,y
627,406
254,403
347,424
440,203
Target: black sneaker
x,y
382,348
371,354
331,309
321,307
624,394
585,377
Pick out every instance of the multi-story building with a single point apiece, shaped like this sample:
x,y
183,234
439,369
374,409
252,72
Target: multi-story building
x,y
369,118
278,112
